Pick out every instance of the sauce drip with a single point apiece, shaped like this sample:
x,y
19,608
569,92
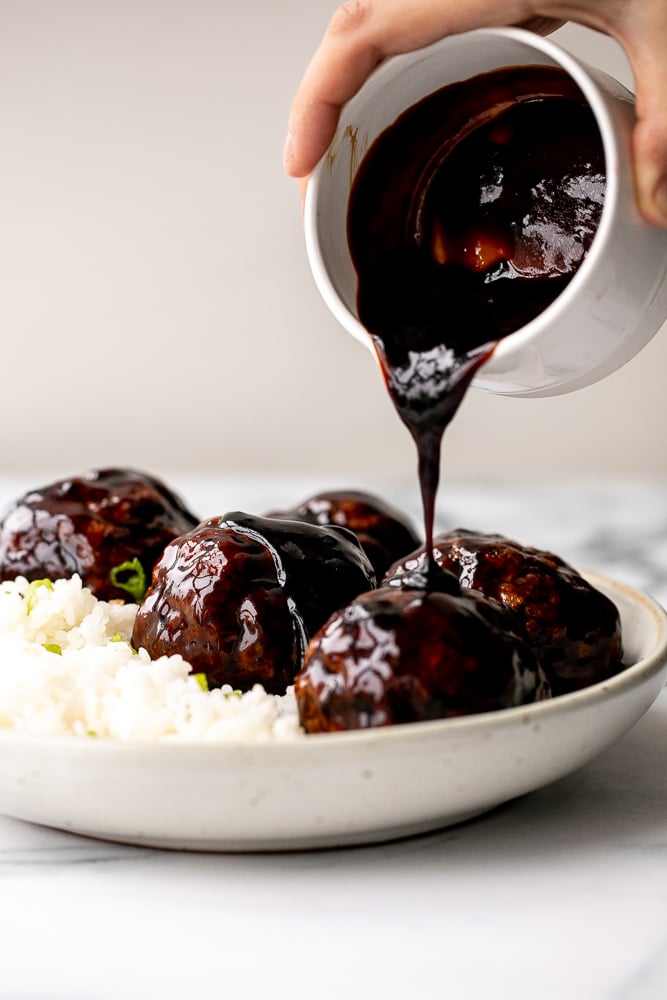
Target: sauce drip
x,y
467,217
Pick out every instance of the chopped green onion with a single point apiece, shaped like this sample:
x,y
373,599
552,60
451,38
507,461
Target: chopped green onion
x,y
91,732
202,680
53,647
31,592
234,694
130,577
117,637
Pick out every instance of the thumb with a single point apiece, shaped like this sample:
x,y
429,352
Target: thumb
x,y
650,135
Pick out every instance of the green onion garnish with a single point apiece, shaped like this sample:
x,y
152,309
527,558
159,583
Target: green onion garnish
x,y
130,577
31,592
53,647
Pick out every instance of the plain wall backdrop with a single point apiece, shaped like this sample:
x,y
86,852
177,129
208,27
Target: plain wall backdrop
x,y
156,304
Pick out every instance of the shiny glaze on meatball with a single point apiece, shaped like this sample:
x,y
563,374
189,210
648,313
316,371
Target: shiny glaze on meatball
x,y
395,656
571,626
92,525
385,534
239,596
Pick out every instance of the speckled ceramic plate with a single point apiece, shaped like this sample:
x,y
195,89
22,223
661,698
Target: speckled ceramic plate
x,y
338,789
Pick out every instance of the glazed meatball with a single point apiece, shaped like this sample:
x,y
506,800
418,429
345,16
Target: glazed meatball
x,y
573,629
239,596
109,526
385,534
396,656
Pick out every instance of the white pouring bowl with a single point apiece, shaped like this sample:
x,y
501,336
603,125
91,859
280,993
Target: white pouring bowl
x,y
616,301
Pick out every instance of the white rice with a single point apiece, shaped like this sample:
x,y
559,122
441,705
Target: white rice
x,y
67,667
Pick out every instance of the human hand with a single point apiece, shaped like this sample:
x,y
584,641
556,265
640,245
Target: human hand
x,y
364,32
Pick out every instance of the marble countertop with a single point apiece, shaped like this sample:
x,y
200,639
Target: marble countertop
x,y
561,894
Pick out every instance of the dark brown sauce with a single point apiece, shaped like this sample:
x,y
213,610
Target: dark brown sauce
x,y
467,218
109,526
237,596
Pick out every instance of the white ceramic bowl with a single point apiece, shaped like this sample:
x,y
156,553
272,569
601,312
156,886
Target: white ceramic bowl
x,y
616,301
331,789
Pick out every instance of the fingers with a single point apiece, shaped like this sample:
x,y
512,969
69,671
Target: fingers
x,y
364,32
650,155
647,54
360,35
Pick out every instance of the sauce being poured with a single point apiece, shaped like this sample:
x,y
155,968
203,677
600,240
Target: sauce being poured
x,y
468,216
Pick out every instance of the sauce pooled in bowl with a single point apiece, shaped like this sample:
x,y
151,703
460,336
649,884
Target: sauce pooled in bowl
x,y
467,218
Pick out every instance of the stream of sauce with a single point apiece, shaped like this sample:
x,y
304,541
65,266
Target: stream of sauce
x,y
468,216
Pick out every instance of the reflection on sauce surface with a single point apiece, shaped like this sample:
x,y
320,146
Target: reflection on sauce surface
x,y
237,596
468,216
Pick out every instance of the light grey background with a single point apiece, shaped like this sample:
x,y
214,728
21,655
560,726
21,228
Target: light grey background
x,y
156,305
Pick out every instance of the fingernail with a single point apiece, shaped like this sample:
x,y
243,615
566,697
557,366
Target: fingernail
x,y
660,197
288,150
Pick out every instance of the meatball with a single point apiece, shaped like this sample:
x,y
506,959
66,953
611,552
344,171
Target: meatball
x,y
109,526
385,534
395,656
573,629
239,596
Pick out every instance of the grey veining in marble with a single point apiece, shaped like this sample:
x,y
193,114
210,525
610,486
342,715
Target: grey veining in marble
x,y
565,890
561,895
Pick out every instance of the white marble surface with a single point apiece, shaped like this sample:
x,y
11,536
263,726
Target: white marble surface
x,y
562,894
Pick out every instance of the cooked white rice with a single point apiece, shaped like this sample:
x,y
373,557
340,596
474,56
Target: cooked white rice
x,y
67,667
